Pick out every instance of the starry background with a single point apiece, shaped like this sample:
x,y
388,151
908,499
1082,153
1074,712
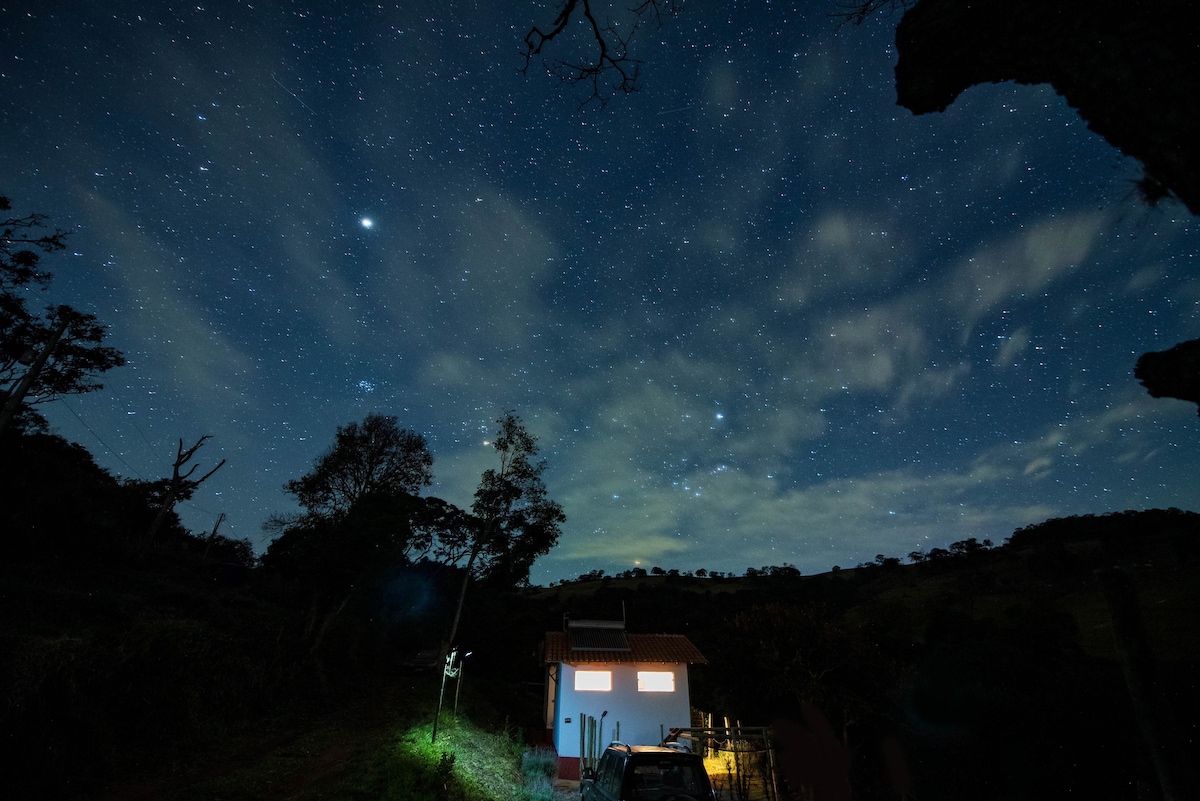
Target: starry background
x,y
755,313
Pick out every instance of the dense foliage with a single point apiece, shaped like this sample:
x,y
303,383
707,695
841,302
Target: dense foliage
x,y
42,356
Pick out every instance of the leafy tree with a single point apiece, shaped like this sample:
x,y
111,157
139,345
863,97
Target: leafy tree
x,y
227,550
362,516
375,456
520,522
329,557
515,522
967,547
19,243
41,356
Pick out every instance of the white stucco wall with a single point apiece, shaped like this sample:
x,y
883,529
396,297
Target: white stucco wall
x,y
640,714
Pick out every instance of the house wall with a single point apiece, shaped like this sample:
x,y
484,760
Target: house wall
x,y
643,716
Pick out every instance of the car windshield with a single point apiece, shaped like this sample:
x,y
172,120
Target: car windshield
x,y
651,781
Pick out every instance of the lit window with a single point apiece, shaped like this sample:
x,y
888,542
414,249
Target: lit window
x,y
599,681
656,681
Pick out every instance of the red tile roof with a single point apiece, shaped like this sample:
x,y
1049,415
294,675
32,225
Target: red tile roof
x,y
642,648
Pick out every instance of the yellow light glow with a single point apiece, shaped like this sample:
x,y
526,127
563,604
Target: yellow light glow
x,y
596,681
656,681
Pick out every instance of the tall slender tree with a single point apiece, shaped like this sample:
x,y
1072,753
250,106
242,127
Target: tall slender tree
x,y
515,521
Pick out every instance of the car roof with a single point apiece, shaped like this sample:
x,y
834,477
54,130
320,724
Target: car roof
x,y
647,749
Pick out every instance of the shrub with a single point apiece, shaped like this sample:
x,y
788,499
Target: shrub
x,y
539,762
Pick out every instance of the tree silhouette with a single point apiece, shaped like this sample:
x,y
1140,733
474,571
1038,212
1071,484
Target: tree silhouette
x,y
181,485
609,46
360,514
41,356
515,522
1131,70
369,457
19,243
603,60
1172,373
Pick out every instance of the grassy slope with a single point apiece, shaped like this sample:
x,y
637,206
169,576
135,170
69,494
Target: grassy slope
x,y
377,747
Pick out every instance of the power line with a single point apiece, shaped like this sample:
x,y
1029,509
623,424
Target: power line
x,y
98,439
118,457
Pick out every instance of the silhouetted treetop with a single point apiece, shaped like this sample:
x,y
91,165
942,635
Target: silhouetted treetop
x,y
1172,373
42,356
19,246
1131,70
375,455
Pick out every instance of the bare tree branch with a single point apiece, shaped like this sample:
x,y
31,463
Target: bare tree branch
x,y
605,62
610,67
857,13
182,484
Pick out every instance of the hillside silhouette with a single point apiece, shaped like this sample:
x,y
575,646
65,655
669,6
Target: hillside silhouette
x,y
976,672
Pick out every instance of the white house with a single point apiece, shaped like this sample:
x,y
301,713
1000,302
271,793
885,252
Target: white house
x,y
634,685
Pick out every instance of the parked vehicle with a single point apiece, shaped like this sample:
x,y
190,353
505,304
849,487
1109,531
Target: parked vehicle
x,y
646,773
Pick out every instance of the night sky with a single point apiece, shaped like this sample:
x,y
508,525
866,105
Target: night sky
x,y
756,313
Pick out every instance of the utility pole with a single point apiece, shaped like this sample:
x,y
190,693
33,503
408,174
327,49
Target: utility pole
x,y
462,663
447,670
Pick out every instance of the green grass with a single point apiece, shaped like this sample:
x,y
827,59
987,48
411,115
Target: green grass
x,y
465,764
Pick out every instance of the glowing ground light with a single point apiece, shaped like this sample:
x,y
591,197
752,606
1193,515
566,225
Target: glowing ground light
x,y
367,222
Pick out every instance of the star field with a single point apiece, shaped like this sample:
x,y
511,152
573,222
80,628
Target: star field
x,y
755,313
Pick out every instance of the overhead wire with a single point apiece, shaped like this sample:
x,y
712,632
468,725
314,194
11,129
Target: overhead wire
x,y
116,455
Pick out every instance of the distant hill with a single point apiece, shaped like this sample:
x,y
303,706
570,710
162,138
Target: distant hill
x,y
998,670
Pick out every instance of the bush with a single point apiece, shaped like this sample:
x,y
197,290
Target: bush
x,y
539,762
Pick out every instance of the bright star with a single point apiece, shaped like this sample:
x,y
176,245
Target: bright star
x,y
367,222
